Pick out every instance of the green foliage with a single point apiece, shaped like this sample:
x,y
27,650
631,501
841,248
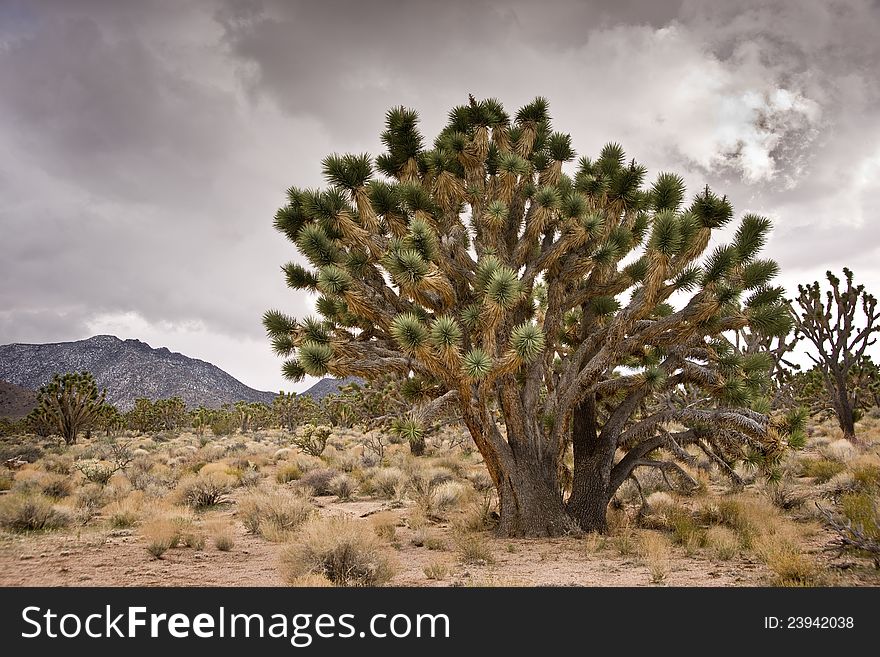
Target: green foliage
x,y
480,275
68,404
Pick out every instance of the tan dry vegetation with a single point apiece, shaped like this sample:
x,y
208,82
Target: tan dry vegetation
x,y
254,510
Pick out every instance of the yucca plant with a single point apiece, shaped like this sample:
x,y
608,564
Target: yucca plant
x,y
568,299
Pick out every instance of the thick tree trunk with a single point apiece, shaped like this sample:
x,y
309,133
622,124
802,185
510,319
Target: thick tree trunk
x,y
531,502
593,458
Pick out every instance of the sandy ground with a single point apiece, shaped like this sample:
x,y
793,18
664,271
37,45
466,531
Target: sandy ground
x,y
96,556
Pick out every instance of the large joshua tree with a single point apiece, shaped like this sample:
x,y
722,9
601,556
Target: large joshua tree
x,y
552,309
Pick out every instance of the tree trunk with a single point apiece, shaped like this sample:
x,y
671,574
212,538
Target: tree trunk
x,y
531,502
593,459
417,446
844,408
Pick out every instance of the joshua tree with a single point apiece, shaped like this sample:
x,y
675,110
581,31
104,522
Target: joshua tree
x,y
291,410
70,403
142,416
482,272
840,334
110,421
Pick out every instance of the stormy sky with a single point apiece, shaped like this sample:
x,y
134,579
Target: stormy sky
x,y
145,146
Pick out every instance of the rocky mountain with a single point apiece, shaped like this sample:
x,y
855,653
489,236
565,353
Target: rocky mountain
x,y
329,385
128,369
16,401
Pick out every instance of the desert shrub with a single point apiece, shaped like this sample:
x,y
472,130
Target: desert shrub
x,y
790,566
478,516
840,450
821,469
224,541
318,480
625,542
24,451
287,473
786,496
6,481
250,478
866,474
21,512
840,484
193,538
204,491
655,550
341,549
312,580
89,496
385,526
312,439
389,482
473,548
723,543
342,485
282,454
274,515
124,513
423,537
436,570
861,509
58,463
160,535
450,494
481,480
57,486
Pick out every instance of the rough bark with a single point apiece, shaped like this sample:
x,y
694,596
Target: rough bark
x,y
593,459
531,502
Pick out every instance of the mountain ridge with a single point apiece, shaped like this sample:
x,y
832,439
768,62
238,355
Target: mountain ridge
x,y
128,369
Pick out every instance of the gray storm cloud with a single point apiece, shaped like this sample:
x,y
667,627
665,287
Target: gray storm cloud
x,y
145,146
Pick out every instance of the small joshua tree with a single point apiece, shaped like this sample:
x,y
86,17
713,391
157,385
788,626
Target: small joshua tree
x,y
70,403
502,286
839,327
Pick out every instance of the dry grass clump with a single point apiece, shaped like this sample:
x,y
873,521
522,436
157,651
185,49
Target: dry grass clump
x,y
345,551
385,526
863,511
343,486
783,555
287,473
161,534
58,463
840,450
722,542
318,480
205,490
820,469
389,483
436,570
124,513
222,536
274,515
664,512
473,548
656,551
27,512
866,472
312,580
423,537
